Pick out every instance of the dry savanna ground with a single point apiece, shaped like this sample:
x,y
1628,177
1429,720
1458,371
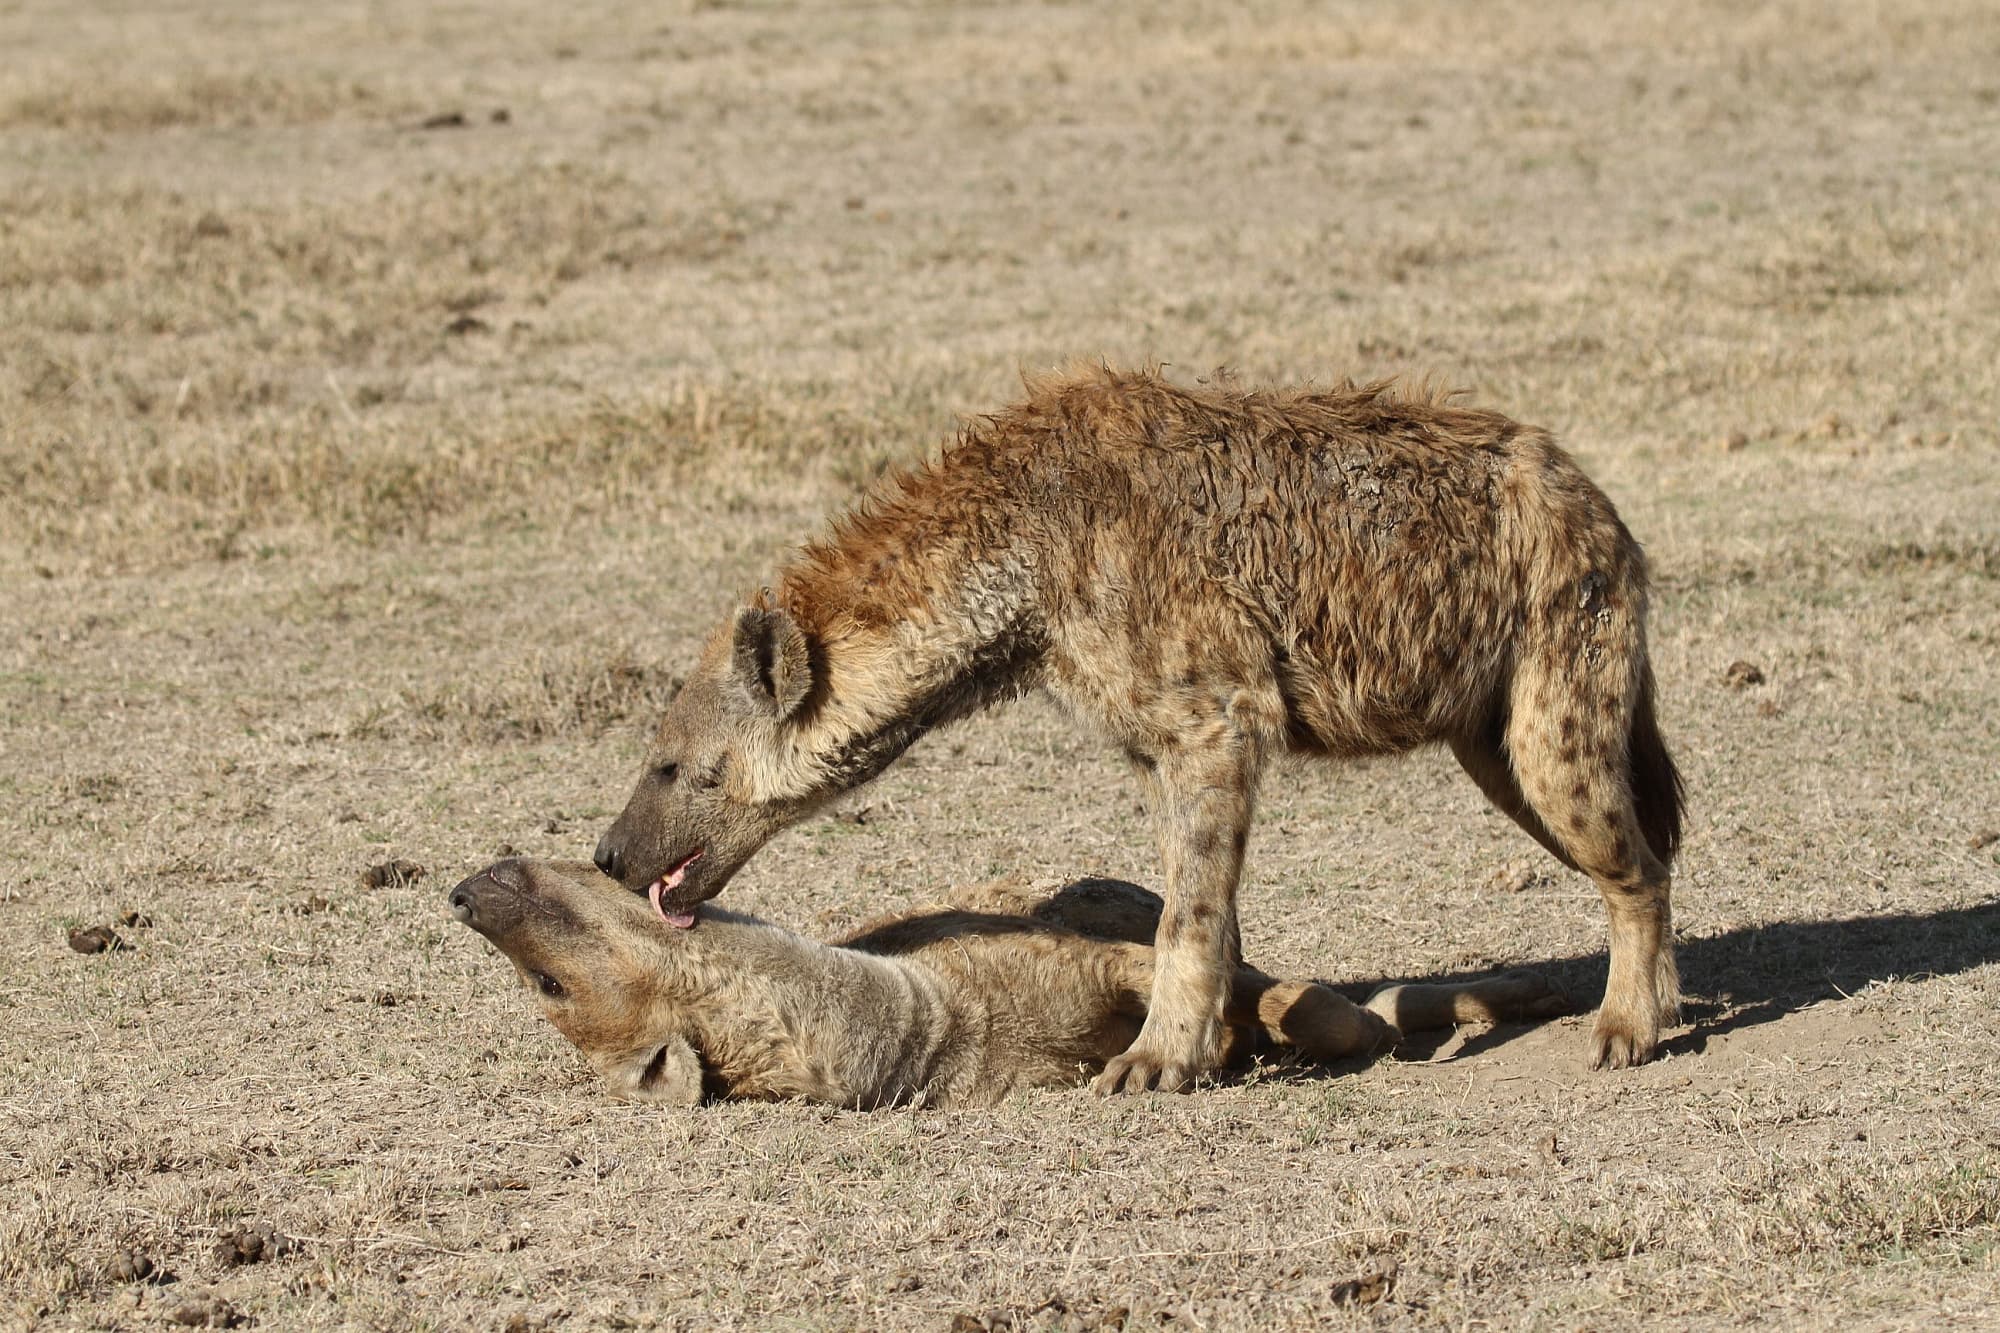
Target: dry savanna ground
x,y
390,395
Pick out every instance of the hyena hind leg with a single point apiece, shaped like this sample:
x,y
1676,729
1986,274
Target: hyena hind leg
x,y
1569,762
1483,756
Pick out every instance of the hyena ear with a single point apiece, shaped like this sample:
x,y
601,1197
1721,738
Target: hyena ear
x,y
772,661
668,1074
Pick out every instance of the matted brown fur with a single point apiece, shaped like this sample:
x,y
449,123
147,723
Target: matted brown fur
x,y
1009,986
1210,577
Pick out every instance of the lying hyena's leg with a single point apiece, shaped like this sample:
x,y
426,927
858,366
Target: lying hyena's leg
x,y
1512,997
1105,909
1205,789
1319,1023
1568,737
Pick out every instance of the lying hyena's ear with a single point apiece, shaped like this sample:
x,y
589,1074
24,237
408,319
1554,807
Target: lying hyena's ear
x,y
669,1073
772,662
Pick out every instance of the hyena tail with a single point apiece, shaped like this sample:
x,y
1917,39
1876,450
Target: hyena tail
x,y
1659,797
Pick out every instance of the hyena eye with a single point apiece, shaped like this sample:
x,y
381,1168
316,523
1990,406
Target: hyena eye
x,y
548,985
710,777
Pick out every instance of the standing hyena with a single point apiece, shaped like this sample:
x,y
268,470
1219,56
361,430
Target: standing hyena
x,y
1212,577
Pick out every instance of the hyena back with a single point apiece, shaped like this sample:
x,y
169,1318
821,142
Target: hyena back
x,y
1211,577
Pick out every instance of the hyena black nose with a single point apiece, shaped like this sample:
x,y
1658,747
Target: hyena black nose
x,y
491,901
609,858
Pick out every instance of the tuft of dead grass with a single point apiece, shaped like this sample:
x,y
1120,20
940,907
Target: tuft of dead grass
x,y
173,491
572,692
1906,1212
206,99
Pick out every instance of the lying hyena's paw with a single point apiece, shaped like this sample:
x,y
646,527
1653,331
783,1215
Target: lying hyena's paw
x,y
1531,995
1141,1069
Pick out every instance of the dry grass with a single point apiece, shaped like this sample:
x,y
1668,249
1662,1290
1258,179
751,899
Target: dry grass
x,y
208,100
363,485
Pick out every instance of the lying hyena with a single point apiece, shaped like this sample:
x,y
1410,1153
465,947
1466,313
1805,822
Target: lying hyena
x,y
1007,988
1213,577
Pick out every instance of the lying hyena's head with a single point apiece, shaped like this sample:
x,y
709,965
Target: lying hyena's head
x,y
597,963
726,769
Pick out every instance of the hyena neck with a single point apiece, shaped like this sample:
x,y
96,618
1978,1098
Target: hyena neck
x,y
919,1048
957,629
791,1017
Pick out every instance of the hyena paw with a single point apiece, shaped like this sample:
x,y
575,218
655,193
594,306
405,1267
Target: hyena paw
x,y
1534,996
1621,1045
1141,1069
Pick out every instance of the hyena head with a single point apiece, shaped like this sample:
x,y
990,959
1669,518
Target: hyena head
x,y
726,770
597,964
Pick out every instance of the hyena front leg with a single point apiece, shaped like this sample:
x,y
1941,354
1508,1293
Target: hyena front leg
x,y
1203,797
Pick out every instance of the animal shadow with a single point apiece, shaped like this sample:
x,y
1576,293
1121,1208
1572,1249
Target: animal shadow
x,y
1758,974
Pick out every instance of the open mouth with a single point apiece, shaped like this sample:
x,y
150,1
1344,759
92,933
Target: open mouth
x,y
666,884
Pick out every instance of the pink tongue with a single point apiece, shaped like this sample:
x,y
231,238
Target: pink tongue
x,y
666,884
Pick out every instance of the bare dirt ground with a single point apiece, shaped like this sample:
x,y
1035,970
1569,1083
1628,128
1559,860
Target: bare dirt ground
x,y
390,395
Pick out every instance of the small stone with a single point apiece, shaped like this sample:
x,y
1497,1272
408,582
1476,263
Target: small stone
x,y
1730,442
136,920
1369,1288
252,1244
392,875
1983,839
207,1312
1514,877
129,1266
1742,675
95,939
